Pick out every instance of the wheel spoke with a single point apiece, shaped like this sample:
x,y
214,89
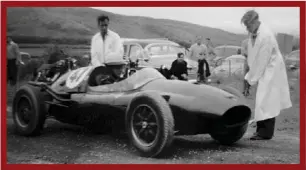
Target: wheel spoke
x,y
146,134
151,124
150,115
141,131
143,110
151,132
140,116
138,124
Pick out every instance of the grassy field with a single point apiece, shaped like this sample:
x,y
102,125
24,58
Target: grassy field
x,y
39,49
24,46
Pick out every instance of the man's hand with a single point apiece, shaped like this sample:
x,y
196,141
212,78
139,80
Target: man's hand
x,y
247,68
19,62
184,76
173,77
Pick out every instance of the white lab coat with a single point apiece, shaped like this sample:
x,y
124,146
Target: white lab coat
x,y
267,68
111,49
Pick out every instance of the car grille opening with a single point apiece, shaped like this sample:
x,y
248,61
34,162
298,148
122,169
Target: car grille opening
x,y
236,115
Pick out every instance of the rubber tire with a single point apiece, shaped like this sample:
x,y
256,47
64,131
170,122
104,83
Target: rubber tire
x,y
232,91
232,136
164,116
36,123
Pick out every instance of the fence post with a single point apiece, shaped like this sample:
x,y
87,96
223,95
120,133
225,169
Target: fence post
x,y
230,71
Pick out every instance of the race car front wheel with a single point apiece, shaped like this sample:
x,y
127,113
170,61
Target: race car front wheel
x,y
29,112
150,124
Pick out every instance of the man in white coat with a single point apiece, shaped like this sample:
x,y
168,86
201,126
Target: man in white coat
x,y
105,44
268,71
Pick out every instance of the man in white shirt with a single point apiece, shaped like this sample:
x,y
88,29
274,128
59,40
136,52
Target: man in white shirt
x,y
105,44
13,60
198,52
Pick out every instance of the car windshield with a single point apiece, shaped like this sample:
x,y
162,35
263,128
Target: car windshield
x,y
232,61
225,51
164,49
136,80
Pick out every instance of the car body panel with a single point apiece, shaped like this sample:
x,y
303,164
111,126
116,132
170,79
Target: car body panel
x,y
82,74
202,99
293,59
75,98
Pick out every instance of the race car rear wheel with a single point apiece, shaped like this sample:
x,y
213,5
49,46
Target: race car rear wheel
x,y
150,124
29,112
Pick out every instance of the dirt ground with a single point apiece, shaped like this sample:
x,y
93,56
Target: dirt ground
x,y
66,144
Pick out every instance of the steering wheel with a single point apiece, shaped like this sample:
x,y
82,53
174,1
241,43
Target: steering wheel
x,y
104,79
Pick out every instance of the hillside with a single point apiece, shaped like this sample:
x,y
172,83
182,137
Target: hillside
x,y
37,25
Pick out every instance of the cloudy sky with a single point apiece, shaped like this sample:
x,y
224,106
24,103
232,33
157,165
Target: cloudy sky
x,y
280,19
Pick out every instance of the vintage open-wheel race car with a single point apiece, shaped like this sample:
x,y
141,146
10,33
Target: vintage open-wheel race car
x,y
150,108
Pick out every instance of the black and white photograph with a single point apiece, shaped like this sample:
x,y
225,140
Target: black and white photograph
x,y
153,85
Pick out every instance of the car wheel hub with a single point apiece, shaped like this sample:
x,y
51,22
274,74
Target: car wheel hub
x,y
24,111
144,125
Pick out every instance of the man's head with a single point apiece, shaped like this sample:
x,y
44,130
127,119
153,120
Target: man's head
x,y
239,51
117,66
118,70
251,20
199,40
103,22
180,57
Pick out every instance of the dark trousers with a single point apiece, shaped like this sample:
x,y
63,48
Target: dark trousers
x,y
12,71
200,67
202,74
265,128
246,86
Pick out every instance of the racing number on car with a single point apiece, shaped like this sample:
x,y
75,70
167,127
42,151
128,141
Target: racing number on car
x,y
76,77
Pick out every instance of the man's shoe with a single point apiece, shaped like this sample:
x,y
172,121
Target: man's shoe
x,y
256,136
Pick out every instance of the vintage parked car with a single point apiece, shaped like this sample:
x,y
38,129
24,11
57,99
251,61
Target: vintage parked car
x,y
150,108
230,66
292,61
154,53
224,51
